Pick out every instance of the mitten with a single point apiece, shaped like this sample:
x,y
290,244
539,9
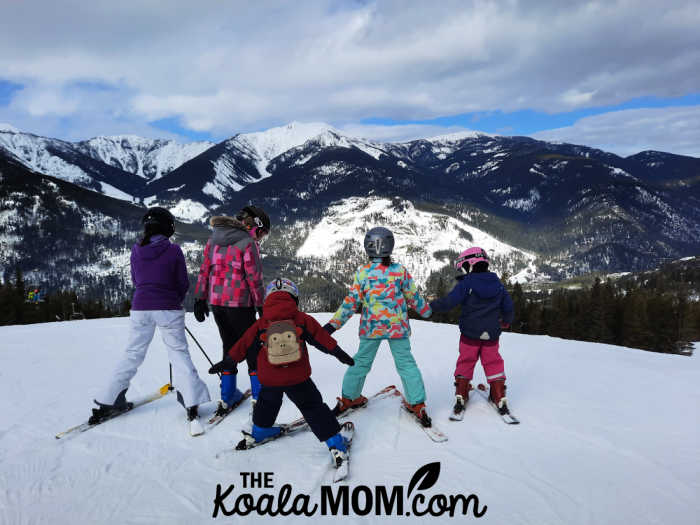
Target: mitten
x,y
201,309
341,356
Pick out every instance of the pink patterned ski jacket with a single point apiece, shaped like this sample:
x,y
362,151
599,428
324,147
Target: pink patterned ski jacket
x,y
231,272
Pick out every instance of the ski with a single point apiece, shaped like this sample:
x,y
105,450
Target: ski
x,y
342,466
459,415
248,442
431,431
504,412
387,391
162,392
216,419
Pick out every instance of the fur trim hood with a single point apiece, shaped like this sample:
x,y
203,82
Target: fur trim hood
x,y
226,221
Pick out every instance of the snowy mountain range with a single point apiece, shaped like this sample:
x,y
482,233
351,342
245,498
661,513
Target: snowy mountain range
x,y
580,455
548,210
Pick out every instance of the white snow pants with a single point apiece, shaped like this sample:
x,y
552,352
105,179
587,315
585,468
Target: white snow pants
x,y
171,324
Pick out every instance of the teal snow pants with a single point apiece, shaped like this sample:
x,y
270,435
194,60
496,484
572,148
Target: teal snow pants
x,y
412,381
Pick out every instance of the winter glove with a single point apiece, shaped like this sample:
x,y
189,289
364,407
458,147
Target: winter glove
x,y
200,309
328,327
227,364
260,311
343,357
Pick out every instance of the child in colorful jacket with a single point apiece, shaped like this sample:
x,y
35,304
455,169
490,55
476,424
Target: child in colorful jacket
x,y
231,281
385,290
486,309
284,368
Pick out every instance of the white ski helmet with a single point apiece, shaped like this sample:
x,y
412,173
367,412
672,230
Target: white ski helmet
x,y
282,285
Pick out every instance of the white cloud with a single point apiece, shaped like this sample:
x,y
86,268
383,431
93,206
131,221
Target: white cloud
x,y
233,66
672,129
398,133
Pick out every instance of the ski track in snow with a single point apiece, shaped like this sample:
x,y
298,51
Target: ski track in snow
x,y
608,435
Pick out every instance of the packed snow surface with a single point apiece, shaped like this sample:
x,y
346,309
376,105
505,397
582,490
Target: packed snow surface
x,y
608,435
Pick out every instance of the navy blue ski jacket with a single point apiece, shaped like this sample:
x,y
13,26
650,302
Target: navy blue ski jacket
x,y
485,303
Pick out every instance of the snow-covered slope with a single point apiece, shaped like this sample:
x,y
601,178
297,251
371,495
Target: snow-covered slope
x,y
147,158
602,438
425,242
35,153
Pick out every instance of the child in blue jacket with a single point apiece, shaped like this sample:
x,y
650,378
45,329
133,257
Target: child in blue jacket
x,y
486,309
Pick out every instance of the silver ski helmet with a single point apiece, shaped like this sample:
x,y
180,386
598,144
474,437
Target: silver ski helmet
x,y
379,242
282,285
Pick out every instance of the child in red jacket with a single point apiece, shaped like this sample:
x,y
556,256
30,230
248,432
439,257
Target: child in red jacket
x,y
283,367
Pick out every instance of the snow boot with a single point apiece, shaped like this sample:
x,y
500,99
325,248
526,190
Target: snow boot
x,y
230,395
344,404
104,412
421,414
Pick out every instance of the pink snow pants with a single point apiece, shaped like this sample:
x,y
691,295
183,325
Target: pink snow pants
x,y
469,352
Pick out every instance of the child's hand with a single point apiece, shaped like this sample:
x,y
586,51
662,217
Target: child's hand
x,y
341,356
227,364
504,326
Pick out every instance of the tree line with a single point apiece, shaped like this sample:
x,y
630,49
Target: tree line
x,y
657,312
19,306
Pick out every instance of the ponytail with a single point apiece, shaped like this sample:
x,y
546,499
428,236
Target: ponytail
x,y
149,230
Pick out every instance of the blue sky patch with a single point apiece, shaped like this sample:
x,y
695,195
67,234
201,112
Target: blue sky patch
x,y
7,91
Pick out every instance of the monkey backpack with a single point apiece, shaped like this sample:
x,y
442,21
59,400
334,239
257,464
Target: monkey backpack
x,y
282,342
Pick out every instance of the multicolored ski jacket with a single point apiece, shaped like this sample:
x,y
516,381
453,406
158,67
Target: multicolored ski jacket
x,y
231,272
385,293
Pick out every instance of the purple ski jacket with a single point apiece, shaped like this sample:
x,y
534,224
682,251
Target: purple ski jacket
x,y
159,275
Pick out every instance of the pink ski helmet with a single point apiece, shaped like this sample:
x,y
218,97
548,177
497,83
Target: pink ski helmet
x,y
471,256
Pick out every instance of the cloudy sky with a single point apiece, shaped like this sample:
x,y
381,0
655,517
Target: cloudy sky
x,y
623,76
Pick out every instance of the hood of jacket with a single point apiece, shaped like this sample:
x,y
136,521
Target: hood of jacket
x,y
227,230
158,245
279,306
485,284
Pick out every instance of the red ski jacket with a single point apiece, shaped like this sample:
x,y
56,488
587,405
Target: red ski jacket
x,y
280,306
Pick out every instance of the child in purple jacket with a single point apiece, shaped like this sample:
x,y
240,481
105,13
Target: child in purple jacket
x,y
159,275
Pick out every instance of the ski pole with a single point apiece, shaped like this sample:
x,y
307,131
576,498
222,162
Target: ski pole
x,y
171,377
202,349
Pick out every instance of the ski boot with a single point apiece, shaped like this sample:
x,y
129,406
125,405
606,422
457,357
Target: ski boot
x,y
230,395
419,411
104,412
344,404
257,436
338,444
497,396
461,394
196,427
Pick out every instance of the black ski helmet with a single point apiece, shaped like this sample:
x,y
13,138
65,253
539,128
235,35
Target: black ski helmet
x,y
255,212
161,219
379,242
